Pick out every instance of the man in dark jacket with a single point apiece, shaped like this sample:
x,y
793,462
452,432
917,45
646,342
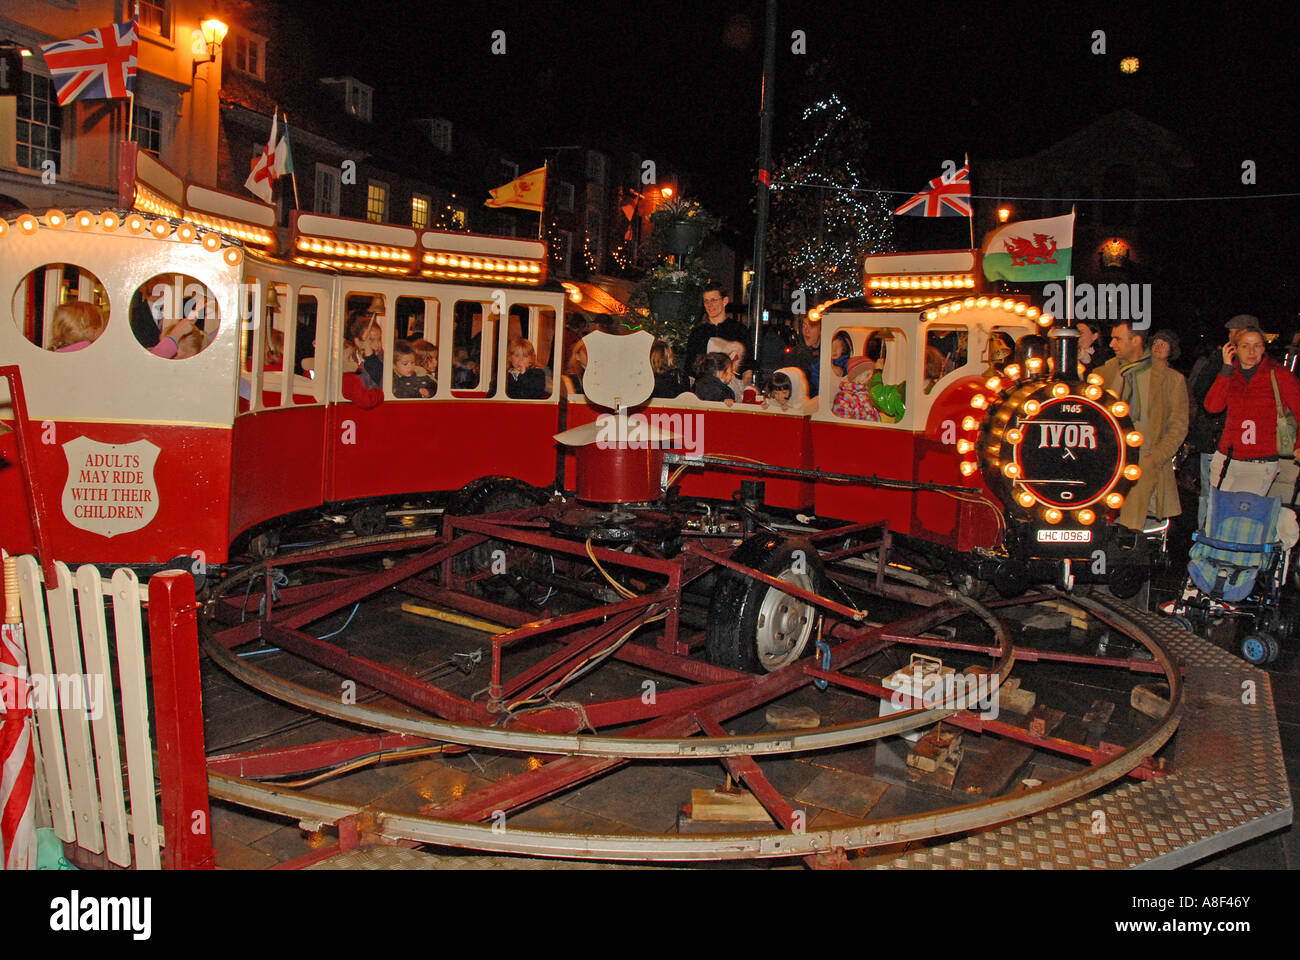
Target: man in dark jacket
x,y
716,323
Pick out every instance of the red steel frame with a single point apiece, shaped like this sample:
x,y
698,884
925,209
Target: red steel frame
x,y
718,694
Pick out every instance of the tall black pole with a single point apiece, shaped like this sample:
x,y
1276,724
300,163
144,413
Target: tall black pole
x,y
757,291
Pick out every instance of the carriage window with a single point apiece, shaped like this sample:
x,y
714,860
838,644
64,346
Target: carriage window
x,y
277,340
174,315
474,353
873,364
59,306
307,387
363,338
1001,348
536,324
415,349
945,352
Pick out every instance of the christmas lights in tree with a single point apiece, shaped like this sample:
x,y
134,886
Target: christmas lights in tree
x,y
821,230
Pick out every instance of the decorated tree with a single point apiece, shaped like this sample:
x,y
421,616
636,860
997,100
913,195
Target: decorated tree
x,y
821,229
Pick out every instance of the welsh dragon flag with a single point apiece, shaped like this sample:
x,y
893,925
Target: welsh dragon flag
x,y
1030,251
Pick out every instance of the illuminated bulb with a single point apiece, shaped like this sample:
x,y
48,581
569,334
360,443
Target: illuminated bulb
x,y
4,227
233,256
185,233
1060,390
1009,305
1093,392
1133,472
995,302
1031,312
1011,470
931,314
955,307
1032,407
1085,517
1114,500
982,302
943,311
135,223
1025,498
969,303
1034,364
970,423
979,401
212,242
1052,515
1133,439
84,219
1020,308
1045,320
1095,379
1012,370
160,228
27,223
1014,435
994,384
109,222
56,218
965,446
1120,409
968,467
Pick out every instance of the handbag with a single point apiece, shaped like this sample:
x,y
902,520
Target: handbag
x,y
1286,425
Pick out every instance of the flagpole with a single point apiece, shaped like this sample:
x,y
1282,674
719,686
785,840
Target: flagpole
x,y
1069,278
541,214
971,179
293,174
130,94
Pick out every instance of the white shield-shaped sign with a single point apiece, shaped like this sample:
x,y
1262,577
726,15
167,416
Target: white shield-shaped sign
x,y
111,488
618,370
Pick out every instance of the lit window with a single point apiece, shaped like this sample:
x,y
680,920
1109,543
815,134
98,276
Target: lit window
x,y
39,126
146,129
250,55
359,97
377,202
419,212
155,17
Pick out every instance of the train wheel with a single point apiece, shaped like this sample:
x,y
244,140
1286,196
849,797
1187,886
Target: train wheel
x,y
1126,580
756,627
369,521
494,495
1260,648
265,545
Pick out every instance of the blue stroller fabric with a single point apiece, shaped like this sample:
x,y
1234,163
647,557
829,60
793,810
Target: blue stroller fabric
x,y
1238,543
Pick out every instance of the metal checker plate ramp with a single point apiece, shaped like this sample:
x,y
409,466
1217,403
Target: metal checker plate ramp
x,y
1229,784
382,857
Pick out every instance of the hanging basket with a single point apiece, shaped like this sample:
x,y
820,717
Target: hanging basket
x,y
681,238
669,304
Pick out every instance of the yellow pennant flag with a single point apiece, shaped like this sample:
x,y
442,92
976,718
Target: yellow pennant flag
x,y
526,192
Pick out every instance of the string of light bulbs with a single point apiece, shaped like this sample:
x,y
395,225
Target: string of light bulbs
x,y
1001,197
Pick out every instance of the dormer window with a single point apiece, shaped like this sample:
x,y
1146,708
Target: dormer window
x,y
440,134
250,54
357,97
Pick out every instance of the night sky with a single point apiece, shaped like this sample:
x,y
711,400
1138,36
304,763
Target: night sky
x,y
679,82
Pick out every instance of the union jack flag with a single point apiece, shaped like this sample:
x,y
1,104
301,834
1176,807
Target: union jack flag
x,y
99,65
946,196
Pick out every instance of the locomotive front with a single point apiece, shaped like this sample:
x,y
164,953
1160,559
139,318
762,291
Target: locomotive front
x,y
1062,455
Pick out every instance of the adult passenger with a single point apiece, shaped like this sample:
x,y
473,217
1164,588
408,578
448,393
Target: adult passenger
x,y
716,323
1093,353
1157,399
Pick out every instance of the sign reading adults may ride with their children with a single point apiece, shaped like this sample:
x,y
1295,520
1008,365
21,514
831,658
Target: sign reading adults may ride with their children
x,y
111,488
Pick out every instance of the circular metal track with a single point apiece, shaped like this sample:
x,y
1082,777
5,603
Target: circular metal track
x,y
783,843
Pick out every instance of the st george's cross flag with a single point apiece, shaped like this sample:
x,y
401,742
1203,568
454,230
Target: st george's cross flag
x,y
947,195
526,192
275,160
99,65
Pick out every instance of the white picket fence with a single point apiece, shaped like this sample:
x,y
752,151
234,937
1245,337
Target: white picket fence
x,y
79,789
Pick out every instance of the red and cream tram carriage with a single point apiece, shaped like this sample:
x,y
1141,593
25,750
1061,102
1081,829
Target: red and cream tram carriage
x,y
998,470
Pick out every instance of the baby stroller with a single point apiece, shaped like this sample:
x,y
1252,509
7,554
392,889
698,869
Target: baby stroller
x,y
1237,567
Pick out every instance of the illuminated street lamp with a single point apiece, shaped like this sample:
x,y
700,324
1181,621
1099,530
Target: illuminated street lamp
x,y
1129,65
1004,214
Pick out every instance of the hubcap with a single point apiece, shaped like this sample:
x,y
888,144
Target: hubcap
x,y
784,623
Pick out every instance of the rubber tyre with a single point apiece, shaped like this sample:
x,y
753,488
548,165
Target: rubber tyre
x,y
483,496
743,608
1260,649
1183,623
369,521
265,545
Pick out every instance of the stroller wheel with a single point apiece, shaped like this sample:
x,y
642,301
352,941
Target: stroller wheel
x,y
1260,648
1183,623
